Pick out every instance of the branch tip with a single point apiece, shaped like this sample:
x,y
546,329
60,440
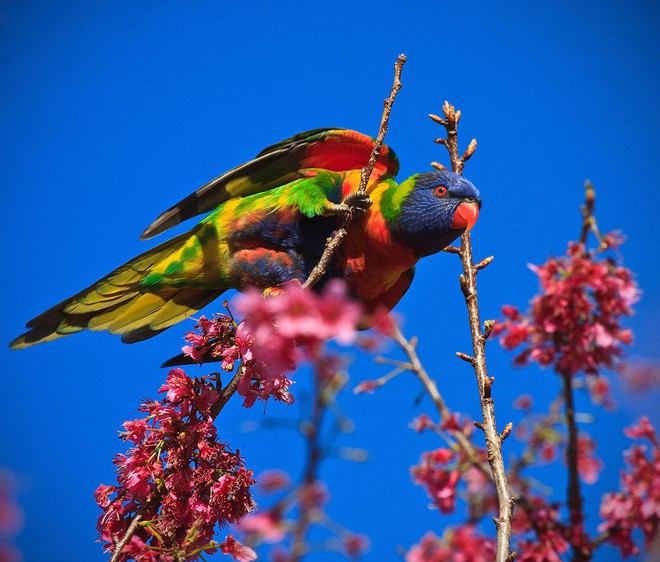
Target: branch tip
x,y
484,263
488,328
506,431
469,151
465,357
438,166
437,119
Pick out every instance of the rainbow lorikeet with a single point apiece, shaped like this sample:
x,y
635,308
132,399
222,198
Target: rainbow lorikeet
x,y
272,218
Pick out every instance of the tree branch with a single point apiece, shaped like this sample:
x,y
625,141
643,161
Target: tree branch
x,y
573,492
468,281
117,552
415,366
333,243
312,435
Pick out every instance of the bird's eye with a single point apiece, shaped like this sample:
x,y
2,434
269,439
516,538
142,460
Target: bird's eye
x,y
440,191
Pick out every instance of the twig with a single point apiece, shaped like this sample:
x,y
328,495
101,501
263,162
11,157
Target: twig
x,y
588,217
415,366
321,267
227,392
468,281
127,537
450,123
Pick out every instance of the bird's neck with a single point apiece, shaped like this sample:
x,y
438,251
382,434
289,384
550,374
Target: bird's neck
x,y
372,259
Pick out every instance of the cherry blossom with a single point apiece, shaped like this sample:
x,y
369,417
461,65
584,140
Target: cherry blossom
x,y
178,477
459,544
637,505
237,550
574,323
440,482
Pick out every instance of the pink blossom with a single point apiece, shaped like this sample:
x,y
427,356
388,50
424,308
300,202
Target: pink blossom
x,y
451,422
340,313
422,423
354,545
181,479
637,505
641,376
385,322
543,518
135,430
589,466
600,391
12,517
523,402
267,525
237,550
574,322
548,452
177,385
288,326
313,496
440,483
458,544
369,386
271,481
536,552
642,430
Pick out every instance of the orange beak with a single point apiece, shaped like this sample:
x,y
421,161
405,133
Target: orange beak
x,y
465,216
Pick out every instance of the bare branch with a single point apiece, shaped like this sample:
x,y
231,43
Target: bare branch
x,y
322,266
573,492
468,283
589,223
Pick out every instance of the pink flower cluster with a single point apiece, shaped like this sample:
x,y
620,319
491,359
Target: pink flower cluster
x,y
588,464
460,544
542,519
178,477
279,331
440,482
574,323
637,505
443,470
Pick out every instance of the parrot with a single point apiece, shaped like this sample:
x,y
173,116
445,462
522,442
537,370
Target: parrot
x,y
269,222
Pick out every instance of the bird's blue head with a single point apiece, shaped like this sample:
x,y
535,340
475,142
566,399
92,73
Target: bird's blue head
x,y
433,209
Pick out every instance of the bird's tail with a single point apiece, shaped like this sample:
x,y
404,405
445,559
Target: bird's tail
x,y
138,300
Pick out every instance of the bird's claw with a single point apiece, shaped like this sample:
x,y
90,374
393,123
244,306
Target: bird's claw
x,y
359,201
353,202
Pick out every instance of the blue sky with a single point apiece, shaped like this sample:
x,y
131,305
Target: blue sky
x,y
111,112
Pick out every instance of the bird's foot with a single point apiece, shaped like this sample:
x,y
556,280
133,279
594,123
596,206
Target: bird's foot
x,y
353,203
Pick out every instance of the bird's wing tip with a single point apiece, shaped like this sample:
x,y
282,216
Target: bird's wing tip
x,y
17,343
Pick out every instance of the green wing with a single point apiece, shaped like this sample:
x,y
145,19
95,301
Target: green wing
x,y
336,150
